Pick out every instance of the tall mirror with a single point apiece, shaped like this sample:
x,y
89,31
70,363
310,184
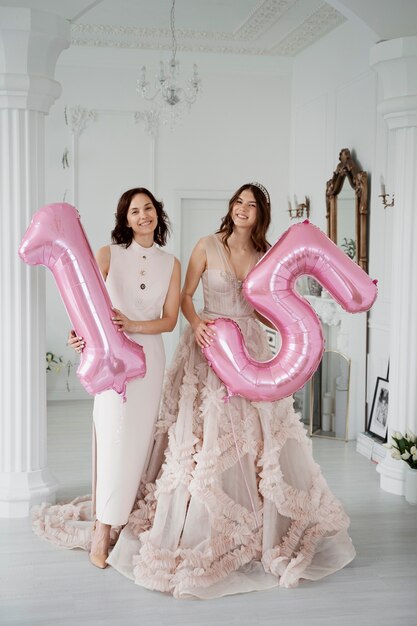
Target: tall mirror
x,y
347,208
324,402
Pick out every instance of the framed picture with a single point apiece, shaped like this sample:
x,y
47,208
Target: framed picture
x,y
271,336
378,419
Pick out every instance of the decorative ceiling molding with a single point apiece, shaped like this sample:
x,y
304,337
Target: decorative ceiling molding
x,y
157,38
315,26
319,22
103,36
261,18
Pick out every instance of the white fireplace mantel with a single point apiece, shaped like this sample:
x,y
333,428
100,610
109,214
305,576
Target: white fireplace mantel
x,y
346,333
329,311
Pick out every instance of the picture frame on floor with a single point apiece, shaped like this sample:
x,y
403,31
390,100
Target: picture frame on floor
x,y
378,419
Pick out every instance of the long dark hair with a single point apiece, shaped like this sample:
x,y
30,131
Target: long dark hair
x,y
123,234
263,219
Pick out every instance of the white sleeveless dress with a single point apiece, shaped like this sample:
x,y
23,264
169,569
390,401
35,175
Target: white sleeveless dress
x,y
137,283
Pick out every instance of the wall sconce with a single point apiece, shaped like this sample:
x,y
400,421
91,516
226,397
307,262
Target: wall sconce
x,y
384,195
298,210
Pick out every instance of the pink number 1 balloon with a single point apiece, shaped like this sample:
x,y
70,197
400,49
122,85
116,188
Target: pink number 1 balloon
x,y
270,288
56,239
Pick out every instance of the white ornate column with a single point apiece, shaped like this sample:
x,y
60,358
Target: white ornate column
x,y
395,61
30,43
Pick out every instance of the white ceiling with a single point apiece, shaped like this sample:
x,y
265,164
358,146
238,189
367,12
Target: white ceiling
x,y
386,19
261,27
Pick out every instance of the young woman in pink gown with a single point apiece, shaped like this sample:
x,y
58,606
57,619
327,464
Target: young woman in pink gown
x,y
239,504
143,282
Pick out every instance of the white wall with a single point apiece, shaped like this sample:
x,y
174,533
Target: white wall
x,y
254,121
238,131
334,100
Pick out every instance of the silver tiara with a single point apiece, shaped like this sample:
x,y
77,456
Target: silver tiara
x,y
264,191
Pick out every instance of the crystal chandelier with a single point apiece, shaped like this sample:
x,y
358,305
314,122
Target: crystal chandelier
x,y
167,96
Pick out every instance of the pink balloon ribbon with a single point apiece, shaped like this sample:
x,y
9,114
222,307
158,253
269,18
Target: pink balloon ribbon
x,y
56,239
270,289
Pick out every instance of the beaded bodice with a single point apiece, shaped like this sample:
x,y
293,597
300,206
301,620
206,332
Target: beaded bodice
x,y
222,289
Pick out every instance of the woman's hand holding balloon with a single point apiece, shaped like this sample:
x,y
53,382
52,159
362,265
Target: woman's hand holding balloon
x,y
77,343
123,323
203,333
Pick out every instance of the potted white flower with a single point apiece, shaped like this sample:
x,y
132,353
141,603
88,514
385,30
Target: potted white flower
x,y
404,448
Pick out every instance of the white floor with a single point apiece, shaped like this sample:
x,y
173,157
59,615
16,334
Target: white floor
x,y
43,585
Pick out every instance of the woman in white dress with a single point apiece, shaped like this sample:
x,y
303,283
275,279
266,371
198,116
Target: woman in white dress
x,y
144,286
240,504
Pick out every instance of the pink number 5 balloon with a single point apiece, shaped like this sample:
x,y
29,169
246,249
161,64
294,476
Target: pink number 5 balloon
x,y
270,288
56,239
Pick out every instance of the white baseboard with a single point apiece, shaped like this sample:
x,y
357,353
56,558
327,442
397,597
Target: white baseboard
x,y
370,448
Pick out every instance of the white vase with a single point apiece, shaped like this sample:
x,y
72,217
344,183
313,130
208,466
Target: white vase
x,y
410,485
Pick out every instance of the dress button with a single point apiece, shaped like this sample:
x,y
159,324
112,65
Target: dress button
x,y
144,256
142,286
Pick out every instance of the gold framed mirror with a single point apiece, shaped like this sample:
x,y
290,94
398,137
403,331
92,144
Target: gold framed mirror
x,y
347,208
